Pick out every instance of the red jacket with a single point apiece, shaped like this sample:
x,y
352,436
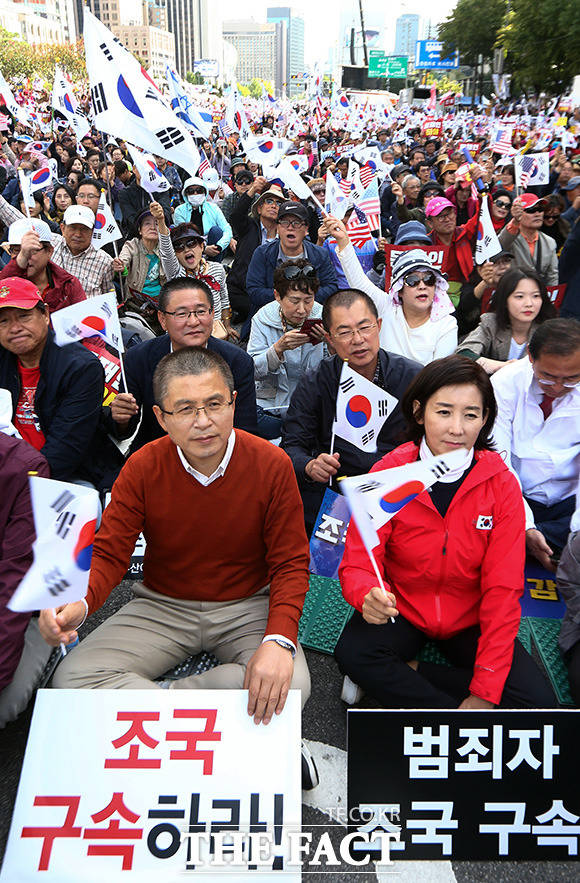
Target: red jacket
x,y
63,289
458,263
452,573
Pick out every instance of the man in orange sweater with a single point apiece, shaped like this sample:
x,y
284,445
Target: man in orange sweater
x,y
226,563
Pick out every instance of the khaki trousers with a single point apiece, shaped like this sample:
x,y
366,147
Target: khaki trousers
x,y
153,633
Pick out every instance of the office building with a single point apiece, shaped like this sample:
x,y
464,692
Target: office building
x,y
406,35
41,21
294,45
196,26
257,48
154,46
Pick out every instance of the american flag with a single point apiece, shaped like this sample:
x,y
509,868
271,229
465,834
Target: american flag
x,y
370,204
344,184
224,128
527,165
204,165
367,173
358,228
503,140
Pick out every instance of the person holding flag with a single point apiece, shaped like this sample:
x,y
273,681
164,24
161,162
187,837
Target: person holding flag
x,y
451,560
57,392
416,311
345,415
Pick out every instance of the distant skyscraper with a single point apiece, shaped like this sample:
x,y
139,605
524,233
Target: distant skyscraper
x,y
295,45
406,35
256,45
197,34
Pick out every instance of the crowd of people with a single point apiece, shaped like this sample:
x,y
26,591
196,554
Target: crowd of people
x,y
250,299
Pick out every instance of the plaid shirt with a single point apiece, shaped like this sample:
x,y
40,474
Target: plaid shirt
x,y
93,268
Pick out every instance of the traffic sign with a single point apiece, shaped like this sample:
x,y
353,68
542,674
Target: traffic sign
x,y
428,56
397,66
377,63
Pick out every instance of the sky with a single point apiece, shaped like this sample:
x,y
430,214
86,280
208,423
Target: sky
x,y
322,19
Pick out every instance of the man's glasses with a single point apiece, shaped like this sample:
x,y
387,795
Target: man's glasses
x,y
534,209
306,272
212,410
501,204
567,384
183,315
413,279
271,200
288,223
363,330
187,243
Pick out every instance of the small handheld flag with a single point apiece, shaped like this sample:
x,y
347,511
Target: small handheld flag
x,y
361,409
65,517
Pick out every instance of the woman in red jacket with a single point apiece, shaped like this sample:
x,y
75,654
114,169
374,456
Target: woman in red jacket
x,y
452,561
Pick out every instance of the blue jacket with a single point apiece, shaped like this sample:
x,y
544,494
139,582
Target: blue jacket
x,y
212,216
260,276
68,404
140,364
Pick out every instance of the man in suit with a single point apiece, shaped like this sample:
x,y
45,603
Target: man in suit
x,y
186,314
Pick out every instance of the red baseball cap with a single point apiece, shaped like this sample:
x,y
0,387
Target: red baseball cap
x,y
529,200
436,205
20,293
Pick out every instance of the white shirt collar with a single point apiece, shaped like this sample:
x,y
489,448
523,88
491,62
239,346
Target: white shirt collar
x,y
205,480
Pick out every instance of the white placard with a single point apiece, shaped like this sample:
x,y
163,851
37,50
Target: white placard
x,y
77,763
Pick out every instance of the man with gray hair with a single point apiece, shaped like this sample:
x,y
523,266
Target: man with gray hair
x,y
226,562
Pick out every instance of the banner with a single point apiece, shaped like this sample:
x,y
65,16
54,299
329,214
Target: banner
x,y
435,256
156,785
468,785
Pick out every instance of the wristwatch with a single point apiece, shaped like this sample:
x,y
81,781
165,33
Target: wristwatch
x,y
285,644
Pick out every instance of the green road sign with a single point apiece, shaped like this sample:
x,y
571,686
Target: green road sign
x,y
397,66
377,63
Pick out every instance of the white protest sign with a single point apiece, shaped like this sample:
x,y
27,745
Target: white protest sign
x,y
121,785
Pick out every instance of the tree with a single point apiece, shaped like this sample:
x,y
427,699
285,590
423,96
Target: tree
x,y
19,59
542,39
195,79
472,28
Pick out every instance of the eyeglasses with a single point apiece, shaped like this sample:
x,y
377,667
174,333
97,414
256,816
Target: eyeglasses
x,y
307,271
501,204
289,223
211,410
15,249
270,200
413,279
183,315
567,384
187,243
347,336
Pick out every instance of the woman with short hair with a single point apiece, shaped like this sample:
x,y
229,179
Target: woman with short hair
x,y
451,559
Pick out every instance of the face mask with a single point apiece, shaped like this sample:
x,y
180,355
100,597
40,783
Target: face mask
x,y
196,199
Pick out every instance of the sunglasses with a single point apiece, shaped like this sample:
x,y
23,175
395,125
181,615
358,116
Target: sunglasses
x,y
501,203
534,209
552,217
413,279
307,272
186,243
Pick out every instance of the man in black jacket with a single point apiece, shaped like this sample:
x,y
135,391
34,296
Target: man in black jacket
x,y
352,325
57,392
186,314
255,224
